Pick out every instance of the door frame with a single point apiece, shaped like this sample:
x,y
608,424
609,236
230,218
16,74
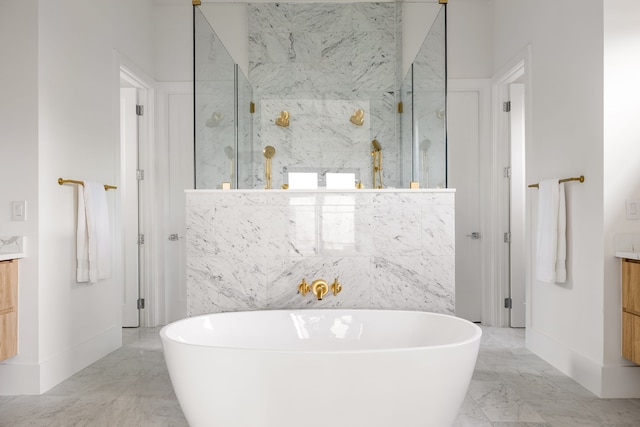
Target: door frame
x,y
516,70
148,220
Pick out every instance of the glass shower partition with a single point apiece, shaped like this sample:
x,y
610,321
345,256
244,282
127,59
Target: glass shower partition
x,y
428,108
215,108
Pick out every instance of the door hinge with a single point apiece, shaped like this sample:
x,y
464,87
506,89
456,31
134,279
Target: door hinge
x,y
139,174
506,106
508,303
506,172
507,237
140,303
140,239
140,110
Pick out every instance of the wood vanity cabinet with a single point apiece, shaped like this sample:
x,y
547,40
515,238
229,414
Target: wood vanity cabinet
x,y
8,309
631,310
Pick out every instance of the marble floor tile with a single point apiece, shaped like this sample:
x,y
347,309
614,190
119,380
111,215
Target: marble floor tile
x,y
511,387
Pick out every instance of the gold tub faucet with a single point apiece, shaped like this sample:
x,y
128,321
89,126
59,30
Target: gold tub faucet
x,y
319,288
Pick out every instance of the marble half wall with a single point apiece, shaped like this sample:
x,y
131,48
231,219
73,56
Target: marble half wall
x,y
390,249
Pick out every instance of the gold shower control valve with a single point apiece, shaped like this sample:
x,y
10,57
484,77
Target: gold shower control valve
x,y
336,287
304,288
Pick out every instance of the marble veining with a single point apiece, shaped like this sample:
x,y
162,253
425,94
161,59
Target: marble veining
x,y
11,244
321,62
249,249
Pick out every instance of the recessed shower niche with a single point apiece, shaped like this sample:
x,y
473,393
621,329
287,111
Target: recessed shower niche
x,y
319,82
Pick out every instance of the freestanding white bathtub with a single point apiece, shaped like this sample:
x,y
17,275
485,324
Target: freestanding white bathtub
x,y
321,368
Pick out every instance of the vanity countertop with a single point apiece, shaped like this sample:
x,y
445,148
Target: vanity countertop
x,y
628,255
11,255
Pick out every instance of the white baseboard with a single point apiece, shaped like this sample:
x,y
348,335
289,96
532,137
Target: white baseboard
x,y
580,368
19,378
32,379
621,382
610,382
63,365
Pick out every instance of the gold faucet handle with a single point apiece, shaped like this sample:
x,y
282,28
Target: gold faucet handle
x,y
304,288
336,287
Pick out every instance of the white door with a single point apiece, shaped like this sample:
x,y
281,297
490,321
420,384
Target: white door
x,y
181,177
129,203
517,314
463,112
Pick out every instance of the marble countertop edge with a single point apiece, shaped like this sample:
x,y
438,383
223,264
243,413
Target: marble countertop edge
x,y
628,255
11,255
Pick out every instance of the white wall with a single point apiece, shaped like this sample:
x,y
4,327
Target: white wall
x,y
621,159
575,326
68,83
173,20
19,174
469,39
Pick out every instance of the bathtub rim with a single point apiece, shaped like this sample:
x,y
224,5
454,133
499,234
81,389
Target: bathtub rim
x,y
477,335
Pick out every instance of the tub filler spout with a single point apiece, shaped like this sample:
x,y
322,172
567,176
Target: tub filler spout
x,y
319,288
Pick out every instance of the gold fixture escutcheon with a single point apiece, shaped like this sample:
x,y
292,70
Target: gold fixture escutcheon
x,y
197,2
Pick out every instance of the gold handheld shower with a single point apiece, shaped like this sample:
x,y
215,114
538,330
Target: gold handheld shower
x,y
377,164
268,152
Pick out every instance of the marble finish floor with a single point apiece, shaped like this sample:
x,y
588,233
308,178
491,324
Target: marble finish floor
x,y
131,387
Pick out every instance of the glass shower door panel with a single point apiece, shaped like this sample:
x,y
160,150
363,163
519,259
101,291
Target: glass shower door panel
x,y
214,89
429,108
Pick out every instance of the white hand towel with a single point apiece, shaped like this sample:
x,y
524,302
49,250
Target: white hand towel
x,y
561,258
82,241
93,234
551,233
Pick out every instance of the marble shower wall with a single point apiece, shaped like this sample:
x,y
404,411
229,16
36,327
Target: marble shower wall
x,y
249,249
321,62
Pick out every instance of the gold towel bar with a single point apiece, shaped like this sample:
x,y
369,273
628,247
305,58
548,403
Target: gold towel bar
x,y
73,181
580,178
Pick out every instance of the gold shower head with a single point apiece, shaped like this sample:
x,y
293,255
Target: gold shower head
x,y
376,145
269,151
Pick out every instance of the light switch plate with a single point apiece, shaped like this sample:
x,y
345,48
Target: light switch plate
x,y
19,210
633,209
